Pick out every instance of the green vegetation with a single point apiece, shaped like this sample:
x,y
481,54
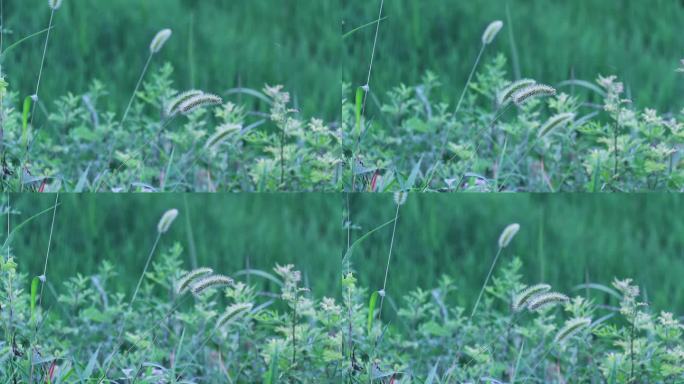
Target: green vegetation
x,y
640,42
216,45
258,136
501,128
219,324
565,240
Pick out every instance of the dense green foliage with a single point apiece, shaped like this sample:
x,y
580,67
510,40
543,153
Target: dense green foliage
x,y
184,329
638,41
558,142
609,121
216,45
213,148
565,240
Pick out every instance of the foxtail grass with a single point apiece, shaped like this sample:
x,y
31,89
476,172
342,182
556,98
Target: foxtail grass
x,y
487,39
183,284
54,5
546,300
156,45
504,240
522,298
571,328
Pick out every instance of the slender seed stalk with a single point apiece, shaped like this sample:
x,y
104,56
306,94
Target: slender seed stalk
x,y
47,253
137,87
487,38
147,264
489,274
282,157
389,258
366,89
294,328
36,97
615,144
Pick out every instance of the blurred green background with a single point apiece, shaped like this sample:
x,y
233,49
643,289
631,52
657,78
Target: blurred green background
x,y
564,240
639,41
228,232
217,45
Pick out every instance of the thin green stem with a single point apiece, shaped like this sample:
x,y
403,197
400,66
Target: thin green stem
x,y
137,86
366,91
282,157
147,264
47,253
489,275
447,133
36,97
389,258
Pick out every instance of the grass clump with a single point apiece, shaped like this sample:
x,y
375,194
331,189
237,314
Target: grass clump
x,y
171,141
267,326
517,136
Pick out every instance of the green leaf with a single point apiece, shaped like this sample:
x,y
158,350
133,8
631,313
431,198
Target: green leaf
x,y
359,108
34,293
18,42
24,121
360,239
597,174
371,309
272,375
433,374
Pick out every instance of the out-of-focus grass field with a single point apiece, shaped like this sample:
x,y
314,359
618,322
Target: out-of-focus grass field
x,y
564,240
227,232
216,45
639,41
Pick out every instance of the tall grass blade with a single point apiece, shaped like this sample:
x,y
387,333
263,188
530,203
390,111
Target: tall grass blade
x,y
358,108
371,309
24,121
34,294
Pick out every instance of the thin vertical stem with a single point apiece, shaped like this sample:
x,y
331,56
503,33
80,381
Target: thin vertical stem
x,y
147,264
389,257
447,133
282,157
2,101
47,253
294,328
137,86
36,97
366,89
615,144
489,274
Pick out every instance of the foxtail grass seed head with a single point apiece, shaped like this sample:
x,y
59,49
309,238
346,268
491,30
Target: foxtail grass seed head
x,y
522,298
173,105
159,40
555,122
508,234
187,279
492,30
232,313
504,96
546,300
199,101
166,220
532,91
222,134
213,281
54,4
400,197
571,328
